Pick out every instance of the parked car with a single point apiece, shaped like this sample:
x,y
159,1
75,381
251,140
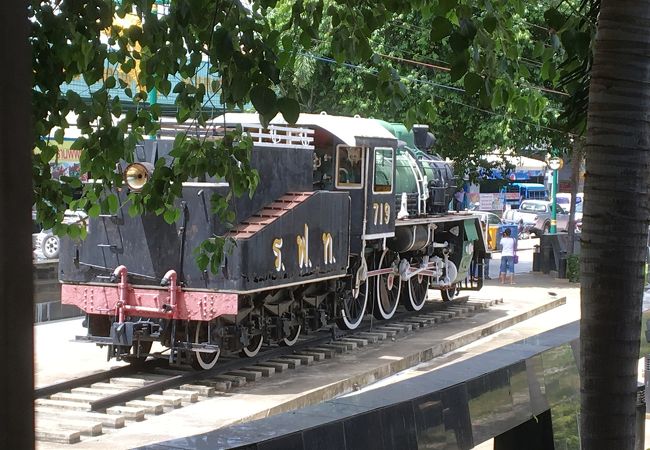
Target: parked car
x,y
45,244
543,222
564,199
534,216
526,216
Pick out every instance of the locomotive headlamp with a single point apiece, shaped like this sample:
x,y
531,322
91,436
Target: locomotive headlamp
x,y
136,175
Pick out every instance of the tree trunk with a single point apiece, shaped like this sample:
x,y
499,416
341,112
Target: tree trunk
x,y
615,225
16,283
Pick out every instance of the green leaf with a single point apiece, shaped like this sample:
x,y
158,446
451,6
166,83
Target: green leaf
x,y
165,86
202,261
512,52
209,246
74,231
497,98
112,58
171,215
94,210
444,6
128,66
441,27
222,43
48,153
521,107
490,23
472,83
110,82
458,42
290,109
59,135
458,70
554,18
239,87
183,114
134,209
467,29
214,263
263,99
116,108
548,70
113,203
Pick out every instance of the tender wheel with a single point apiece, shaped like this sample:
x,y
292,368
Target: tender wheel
x,y
387,289
50,247
416,293
253,347
293,337
547,228
353,303
203,360
449,294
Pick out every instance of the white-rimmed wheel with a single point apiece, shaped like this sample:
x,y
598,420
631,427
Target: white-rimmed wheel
x,y
415,293
253,347
293,336
204,360
449,293
387,288
451,272
50,247
353,301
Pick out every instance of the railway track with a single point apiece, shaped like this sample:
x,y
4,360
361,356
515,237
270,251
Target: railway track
x,y
67,413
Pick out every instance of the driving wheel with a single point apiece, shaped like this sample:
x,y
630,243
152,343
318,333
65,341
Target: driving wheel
x,y
416,292
387,288
353,301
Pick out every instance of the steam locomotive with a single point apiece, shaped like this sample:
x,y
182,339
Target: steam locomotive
x,y
350,218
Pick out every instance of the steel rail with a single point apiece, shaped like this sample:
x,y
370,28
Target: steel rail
x,y
321,337
95,378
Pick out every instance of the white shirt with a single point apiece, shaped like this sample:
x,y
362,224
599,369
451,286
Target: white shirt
x,y
507,246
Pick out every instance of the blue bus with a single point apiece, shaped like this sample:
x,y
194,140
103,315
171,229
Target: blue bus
x,y
516,192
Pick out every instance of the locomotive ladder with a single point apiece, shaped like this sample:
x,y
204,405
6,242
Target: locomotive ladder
x,y
423,192
268,214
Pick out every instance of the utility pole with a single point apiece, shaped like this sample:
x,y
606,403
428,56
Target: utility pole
x,y
554,164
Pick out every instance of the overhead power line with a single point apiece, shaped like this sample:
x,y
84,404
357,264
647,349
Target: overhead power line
x,y
430,83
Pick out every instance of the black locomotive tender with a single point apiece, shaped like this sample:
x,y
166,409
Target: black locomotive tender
x,y
350,217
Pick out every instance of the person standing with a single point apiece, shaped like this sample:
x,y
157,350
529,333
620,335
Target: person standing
x,y
459,199
508,251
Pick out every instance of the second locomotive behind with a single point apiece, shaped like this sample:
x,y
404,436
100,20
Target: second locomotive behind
x,y
349,218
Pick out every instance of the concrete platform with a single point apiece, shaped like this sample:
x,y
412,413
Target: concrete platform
x,y
58,359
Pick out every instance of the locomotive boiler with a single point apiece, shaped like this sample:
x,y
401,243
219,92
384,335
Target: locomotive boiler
x,y
350,218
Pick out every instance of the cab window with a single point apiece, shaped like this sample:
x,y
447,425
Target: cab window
x,y
383,179
349,166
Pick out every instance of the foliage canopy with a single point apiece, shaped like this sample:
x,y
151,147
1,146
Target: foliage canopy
x,y
495,65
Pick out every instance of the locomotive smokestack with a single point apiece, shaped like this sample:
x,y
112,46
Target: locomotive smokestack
x,y
424,139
